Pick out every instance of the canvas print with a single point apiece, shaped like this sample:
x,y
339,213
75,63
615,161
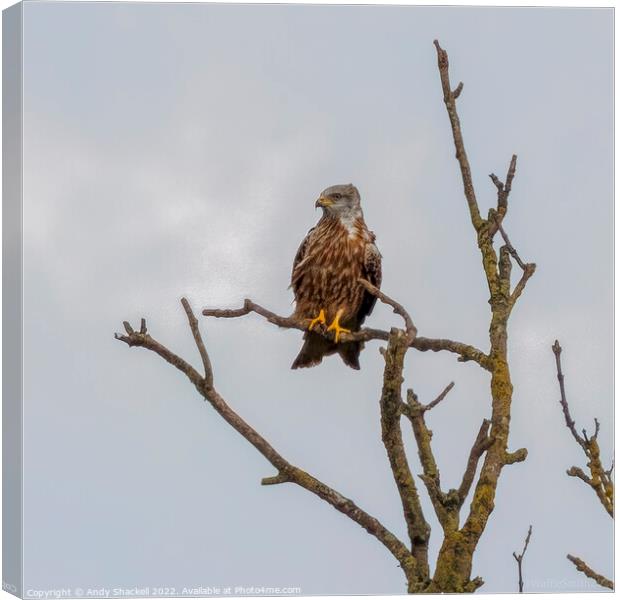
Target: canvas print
x,y
306,300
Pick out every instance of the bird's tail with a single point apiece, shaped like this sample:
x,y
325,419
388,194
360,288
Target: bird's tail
x,y
314,349
350,353
317,346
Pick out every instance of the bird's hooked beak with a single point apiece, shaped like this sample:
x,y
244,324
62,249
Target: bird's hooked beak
x,y
323,202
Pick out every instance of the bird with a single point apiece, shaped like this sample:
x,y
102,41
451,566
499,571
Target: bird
x,y
335,254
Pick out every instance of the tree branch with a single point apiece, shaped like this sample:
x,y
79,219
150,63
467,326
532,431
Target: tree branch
x,y
481,445
408,411
503,191
439,398
391,434
410,328
465,352
193,323
589,572
447,516
510,458
286,471
570,423
519,558
600,479
449,99
528,268
447,505
485,241
251,307
457,550
508,243
579,474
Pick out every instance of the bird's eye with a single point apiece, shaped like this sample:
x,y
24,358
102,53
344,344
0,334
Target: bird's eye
x,y
336,196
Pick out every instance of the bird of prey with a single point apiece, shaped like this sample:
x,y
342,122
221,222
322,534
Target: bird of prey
x,y
332,258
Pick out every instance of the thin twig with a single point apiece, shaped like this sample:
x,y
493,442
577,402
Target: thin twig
x,y
409,409
570,423
439,398
519,558
509,245
399,309
249,307
193,323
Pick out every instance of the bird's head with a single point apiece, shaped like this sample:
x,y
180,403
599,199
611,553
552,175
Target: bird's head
x,y
340,201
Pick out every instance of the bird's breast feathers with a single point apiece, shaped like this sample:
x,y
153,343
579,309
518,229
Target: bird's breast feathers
x,y
327,276
335,244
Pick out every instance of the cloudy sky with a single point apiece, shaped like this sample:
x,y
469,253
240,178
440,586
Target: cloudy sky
x,y
177,150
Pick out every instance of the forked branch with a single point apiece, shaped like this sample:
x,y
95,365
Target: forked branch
x,y
503,191
519,558
447,505
286,472
430,472
600,479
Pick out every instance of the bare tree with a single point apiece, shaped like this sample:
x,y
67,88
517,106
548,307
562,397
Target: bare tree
x,y
600,479
461,533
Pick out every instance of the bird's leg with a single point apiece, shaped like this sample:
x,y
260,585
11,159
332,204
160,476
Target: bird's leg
x,y
320,319
335,326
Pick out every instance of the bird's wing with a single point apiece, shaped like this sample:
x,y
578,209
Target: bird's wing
x,y
372,273
297,272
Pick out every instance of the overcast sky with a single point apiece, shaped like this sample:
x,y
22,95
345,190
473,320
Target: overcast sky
x,y
177,150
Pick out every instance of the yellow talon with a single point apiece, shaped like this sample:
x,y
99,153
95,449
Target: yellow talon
x,y
335,326
320,319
